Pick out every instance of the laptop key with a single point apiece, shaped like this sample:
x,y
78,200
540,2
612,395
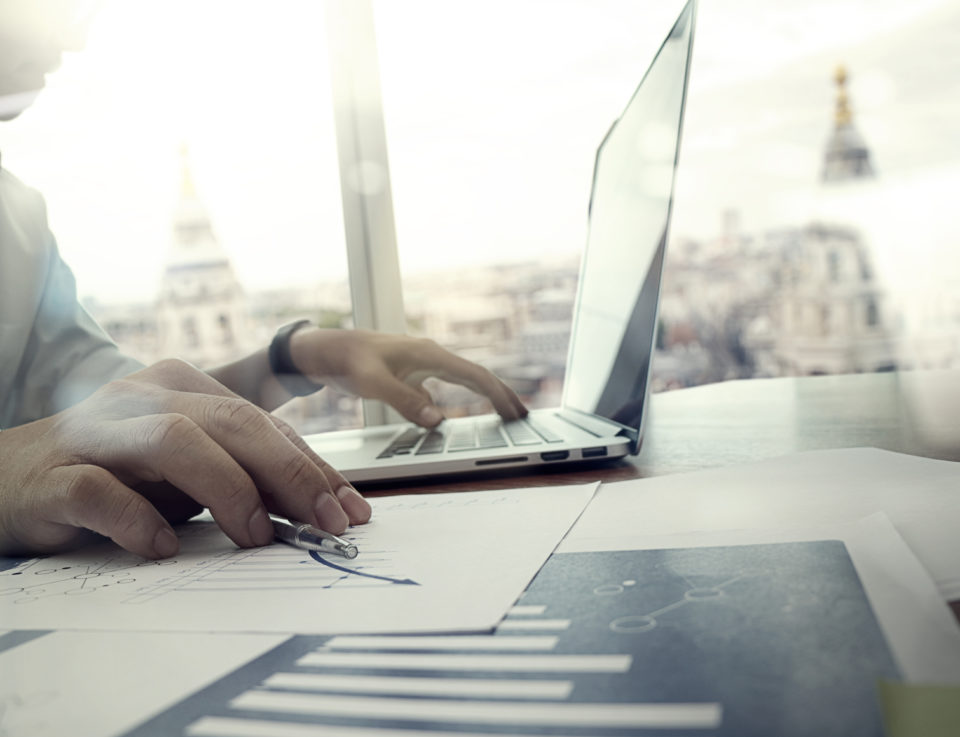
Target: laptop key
x,y
544,432
432,443
520,433
489,436
403,443
464,437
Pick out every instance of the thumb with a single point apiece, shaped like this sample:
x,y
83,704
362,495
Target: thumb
x,y
413,402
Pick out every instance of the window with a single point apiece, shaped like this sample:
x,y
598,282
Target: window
x,y
833,266
872,317
190,162
226,329
816,123
493,116
189,336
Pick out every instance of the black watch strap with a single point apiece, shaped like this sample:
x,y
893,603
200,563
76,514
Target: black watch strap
x,y
282,365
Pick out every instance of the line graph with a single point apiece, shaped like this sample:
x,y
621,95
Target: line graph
x,y
397,583
357,571
139,581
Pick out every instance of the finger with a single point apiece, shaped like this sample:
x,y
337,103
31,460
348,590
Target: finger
x,y
457,370
172,447
188,379
91,497
505,401
411,401
348,498
277,466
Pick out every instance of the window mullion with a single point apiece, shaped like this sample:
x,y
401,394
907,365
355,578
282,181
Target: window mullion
x,y
369,227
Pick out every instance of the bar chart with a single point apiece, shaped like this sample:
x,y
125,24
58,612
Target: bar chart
x,y
685,642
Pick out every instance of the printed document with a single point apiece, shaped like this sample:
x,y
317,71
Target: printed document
x,y
427,563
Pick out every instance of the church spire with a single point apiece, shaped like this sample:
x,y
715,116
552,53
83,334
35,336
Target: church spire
x,y
847,156
193,237
187,189
842,115
201,308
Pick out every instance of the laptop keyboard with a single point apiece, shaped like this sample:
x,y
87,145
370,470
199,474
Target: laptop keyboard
x,y
479,434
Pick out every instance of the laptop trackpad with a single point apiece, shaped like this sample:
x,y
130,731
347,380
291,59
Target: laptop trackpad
x,y
347,441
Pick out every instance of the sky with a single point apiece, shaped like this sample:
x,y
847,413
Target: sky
x,y
493,115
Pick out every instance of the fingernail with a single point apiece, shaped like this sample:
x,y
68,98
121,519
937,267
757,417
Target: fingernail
x,y
430,416
330,515
356,507
261,529
165,543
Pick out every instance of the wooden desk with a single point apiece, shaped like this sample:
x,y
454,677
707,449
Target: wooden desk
x,y
742,421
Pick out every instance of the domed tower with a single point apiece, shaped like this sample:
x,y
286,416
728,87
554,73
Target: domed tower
x,y
847,156
832,313
201,307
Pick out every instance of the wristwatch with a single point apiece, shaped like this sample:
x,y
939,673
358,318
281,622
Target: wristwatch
x,y
282,365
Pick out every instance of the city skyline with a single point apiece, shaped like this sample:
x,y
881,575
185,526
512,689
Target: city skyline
x,y
792,301
766,123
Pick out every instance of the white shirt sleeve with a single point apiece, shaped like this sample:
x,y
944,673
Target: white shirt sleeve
x,y
52,352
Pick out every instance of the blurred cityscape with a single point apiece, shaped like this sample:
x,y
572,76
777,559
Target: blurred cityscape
x,y
799,300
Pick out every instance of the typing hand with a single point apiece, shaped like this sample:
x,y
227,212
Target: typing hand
x,y
154,448
392,368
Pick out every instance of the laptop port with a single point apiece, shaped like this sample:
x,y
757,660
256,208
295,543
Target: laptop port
x,y
555,455
594,452
496,461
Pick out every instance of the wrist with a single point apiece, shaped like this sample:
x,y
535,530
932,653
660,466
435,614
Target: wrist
x,y
283,354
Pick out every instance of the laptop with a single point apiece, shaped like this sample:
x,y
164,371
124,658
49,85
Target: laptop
x,y
606,385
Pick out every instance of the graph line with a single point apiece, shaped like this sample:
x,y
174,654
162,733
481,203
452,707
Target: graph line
x,y
320,559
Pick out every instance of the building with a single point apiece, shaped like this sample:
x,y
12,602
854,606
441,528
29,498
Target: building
x,y
201,308
795,300
830,314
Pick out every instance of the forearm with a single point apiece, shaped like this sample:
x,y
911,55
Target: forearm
x,y
254,380
251,378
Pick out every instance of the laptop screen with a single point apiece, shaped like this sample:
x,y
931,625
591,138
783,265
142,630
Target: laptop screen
x,y
616,315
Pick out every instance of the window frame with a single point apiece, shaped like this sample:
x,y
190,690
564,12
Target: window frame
x,y
373,264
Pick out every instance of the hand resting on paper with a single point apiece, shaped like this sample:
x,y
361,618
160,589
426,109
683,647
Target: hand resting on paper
x,y
153,449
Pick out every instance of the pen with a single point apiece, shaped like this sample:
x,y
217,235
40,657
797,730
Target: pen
x,y
308,537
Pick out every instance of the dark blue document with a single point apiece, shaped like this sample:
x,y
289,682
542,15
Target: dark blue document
x,y
761,640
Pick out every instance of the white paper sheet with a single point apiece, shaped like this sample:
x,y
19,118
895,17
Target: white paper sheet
x,y
920,496
97,684
437,562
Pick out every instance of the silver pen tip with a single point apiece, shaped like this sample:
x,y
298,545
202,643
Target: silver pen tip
x,y
349,551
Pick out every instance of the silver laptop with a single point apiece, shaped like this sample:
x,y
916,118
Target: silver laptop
x,y
606,388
